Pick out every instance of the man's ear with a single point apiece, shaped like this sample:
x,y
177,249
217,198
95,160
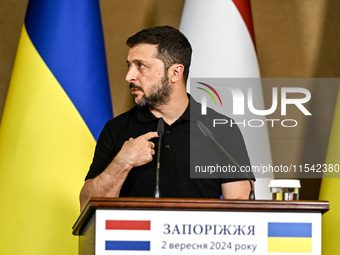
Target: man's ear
x,y
176,72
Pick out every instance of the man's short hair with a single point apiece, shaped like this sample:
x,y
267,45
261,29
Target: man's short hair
x,y
173,47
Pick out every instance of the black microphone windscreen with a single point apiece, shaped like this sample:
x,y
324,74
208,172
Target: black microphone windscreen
x,y
160,127
204,129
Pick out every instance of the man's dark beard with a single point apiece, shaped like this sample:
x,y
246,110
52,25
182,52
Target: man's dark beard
x,y
159,95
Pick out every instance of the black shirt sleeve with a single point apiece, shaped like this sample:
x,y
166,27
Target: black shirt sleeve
x,y
235,146
105,151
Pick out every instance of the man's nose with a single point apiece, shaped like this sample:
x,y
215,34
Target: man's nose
x,y
131,75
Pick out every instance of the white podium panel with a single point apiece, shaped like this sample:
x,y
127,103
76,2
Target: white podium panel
x,y
181,230
206,232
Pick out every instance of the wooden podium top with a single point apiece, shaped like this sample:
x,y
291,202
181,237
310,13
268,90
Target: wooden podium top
x,y
197,204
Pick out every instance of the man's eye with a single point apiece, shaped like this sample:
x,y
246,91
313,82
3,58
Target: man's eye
x,y
141,66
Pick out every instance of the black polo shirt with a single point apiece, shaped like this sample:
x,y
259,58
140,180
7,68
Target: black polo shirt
x,y
176,158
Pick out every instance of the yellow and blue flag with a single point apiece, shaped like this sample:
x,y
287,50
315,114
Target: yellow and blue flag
x,y
290,237
58,101
329,189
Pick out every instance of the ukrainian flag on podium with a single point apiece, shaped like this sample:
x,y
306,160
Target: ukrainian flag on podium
x,y
289,237
58,101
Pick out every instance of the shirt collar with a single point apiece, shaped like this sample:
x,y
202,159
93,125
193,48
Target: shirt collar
x,y
143,114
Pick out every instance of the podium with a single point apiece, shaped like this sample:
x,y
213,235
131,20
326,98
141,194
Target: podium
x,y
199,226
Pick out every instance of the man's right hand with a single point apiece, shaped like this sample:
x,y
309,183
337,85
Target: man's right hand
x,y
135,152
138,151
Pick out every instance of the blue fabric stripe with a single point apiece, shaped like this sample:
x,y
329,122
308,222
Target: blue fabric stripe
x,y
286,229
127,245
68,36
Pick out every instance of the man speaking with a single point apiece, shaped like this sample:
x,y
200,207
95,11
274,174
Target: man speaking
x,y
124,163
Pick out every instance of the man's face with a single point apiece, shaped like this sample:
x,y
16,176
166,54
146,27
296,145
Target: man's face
x,y
148,82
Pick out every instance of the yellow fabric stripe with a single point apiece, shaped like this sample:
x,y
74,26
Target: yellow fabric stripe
x,y
329,190
289,244
45,152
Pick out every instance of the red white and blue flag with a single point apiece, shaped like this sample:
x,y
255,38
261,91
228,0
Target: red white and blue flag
x,y
127,235
222,37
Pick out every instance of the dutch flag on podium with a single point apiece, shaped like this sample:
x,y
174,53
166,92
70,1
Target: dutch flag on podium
x,y
127,235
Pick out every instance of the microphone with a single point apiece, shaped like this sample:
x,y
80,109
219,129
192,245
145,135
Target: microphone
x,y
210,135
160,130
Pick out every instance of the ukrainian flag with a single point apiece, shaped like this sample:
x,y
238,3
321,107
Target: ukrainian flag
x,y
58,102
329,189
289,237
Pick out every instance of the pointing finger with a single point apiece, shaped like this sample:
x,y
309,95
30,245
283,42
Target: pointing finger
x,y
150,135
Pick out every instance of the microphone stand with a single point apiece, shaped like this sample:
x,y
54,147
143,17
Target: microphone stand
x,y
210,135
160,130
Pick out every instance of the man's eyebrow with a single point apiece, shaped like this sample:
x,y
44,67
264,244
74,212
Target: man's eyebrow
x,y
136,61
